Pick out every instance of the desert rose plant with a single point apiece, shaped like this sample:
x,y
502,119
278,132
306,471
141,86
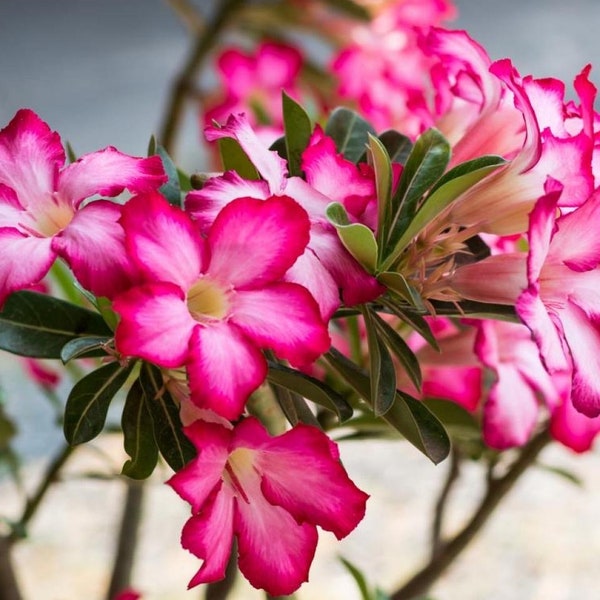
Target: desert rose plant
x,y
409,254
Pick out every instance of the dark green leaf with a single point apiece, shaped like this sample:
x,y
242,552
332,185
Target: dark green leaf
x,y
280,147
88,402
138,435
358,577
235,159
357,238
416,321
298,129
71,155
425,165
84,346
396,282
38,325
352,9
398,146
476,310
401,350
381,368
407,415
174,447
314,390
171,190
459,421
294,407
350,133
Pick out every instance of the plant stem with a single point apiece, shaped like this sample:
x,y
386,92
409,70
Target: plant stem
x,y
128,538
450,550
184,82
9,587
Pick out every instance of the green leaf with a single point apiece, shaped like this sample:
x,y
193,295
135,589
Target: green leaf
x,y
449,187
294,407
476,310
235,159
85,346
398,146
357,238
408,416
314,390
88,402
562,472
383,185
425,165
352,9
416,321
174,447
138,435
381,368
396,282
459,421
298,129
350,132
400,348
171,190
38,326
359,578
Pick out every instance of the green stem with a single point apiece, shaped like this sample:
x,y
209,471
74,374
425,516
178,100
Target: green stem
x,y
450,550
184,82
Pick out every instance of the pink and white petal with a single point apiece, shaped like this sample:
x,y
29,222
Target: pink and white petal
x,y
253,242
30,156
195,482
285,318
163,240
155,324
583,338
11,211
309,272
17,273
510,412
542,226
544,330
573,429
310,199
301,473
547,99
209,536
205,204
224,368
267,162
275,552
93,244
356,285
108,172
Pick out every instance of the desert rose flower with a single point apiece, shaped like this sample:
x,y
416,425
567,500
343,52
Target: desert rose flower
x,y
42,215
270,493
212,304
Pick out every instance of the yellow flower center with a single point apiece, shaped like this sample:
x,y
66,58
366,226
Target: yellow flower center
x,y
208,301
239,471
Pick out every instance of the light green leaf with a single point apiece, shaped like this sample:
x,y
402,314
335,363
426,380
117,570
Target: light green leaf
x,y
383,185
234,158
171,190
298,129
88,402
350,132
357,238
359,578
397,283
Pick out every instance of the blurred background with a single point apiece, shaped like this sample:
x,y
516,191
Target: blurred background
x,y
100,74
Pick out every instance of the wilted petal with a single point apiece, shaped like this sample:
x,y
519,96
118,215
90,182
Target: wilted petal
x,y
155,324
224,368
163,240
285,318
30,156
108,172
302,473
253,242
25,261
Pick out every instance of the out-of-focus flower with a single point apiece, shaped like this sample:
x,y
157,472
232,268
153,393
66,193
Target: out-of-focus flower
x,y
42,215
212,304
271,493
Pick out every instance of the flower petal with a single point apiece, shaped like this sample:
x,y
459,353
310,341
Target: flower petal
x,y
163,240
285,318
30,156
108,172
208,535
301,473
573,429
155,324
253,242
16,273
94,246
224,368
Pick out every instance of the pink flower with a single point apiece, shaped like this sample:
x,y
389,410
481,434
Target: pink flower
x,y
326,268
270,493
41,212
213,303
128,594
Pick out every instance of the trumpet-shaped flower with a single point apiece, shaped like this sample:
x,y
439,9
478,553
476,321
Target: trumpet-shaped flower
x,y
268,492
42,215
213,303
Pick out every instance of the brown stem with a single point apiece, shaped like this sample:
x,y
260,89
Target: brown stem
x,y
128,538
9,587
448,552
184,82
